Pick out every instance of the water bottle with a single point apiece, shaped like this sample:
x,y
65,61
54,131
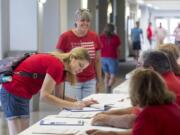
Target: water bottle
x,y
4,79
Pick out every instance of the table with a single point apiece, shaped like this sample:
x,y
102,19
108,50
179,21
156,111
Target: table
x,y
38,129
124,86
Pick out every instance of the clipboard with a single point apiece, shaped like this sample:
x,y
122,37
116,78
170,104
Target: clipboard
x,y
62,123
86,109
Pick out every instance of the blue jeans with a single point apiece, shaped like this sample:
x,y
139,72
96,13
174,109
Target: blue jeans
x,y
110,65
14,106
81,89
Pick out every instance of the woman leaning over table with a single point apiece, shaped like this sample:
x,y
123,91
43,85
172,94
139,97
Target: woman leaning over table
x,y
55,66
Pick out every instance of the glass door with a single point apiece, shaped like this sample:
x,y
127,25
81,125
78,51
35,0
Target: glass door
x,y
173,22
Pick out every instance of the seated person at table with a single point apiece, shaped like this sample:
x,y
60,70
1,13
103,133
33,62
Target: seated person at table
x,y
173,54
51,69
160,114
124,118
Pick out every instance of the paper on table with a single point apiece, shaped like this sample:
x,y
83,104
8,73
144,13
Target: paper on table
x,y
55,131
105,99
68,122
82,115
86,109
124,103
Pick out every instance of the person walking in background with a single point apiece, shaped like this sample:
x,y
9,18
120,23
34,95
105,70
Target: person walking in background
x,y
89,80
110,54
50,70
136,36
150,34
177,35
160,33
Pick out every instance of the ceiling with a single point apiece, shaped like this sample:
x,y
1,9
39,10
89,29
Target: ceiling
x,y
159,4
163,4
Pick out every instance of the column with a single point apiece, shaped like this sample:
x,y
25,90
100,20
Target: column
x,y
4,28
120,19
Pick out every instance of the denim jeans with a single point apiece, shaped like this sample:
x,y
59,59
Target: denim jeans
x,y
110,65
81,89
13,106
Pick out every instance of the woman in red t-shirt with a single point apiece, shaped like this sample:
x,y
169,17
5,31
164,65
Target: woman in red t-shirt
x,y
159,111
88,81
148,90
53,68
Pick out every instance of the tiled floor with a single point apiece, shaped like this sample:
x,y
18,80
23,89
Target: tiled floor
x,y
45,109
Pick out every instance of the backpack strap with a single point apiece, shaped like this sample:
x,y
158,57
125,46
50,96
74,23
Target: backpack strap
x,y
32,75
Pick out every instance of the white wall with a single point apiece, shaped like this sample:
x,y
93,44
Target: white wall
x,y
73,5
23,24
58,17
165,13
4,27
1,55
63,16
144,21
51,24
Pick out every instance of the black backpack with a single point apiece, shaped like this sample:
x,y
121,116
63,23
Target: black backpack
x,y
9,64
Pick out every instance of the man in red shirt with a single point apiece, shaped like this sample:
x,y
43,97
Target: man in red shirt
x,y
110,53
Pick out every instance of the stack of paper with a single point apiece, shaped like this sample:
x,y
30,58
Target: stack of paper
x,y
64,122
82,115
86,109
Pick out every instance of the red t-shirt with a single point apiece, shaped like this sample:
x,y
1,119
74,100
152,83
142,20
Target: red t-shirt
x,y
149,33
110,45
90,41
38,63
136,110
178,77
173,84
158,120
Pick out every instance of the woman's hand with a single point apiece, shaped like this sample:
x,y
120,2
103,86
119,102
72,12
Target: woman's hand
x,y
81,104
100,120
99,132
90,102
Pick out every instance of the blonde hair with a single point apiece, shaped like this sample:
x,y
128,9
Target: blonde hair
x,y
173,54
148,88
77,53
